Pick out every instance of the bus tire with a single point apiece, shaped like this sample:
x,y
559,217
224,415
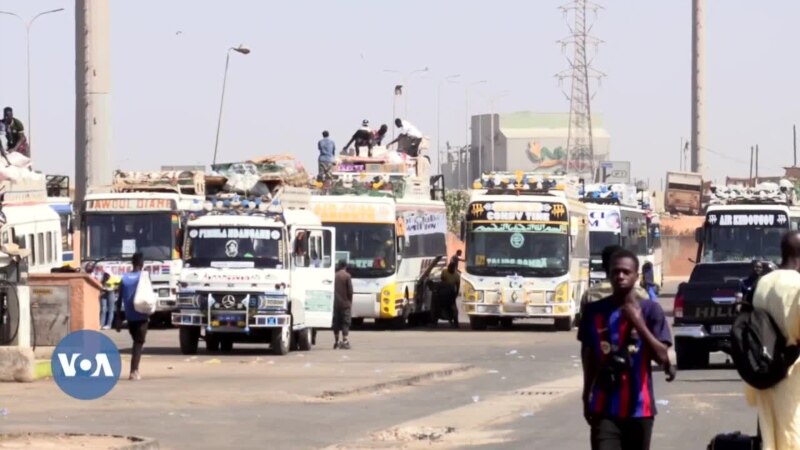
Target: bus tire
x,y
189,339
304,340
478,323
280,342
212,343
226,345
564,323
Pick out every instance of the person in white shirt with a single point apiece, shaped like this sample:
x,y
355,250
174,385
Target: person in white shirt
x,y
410,138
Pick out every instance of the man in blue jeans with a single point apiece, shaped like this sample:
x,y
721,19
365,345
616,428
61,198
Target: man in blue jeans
x,y
107,297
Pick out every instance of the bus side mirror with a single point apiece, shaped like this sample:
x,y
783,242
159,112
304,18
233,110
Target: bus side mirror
x,y
698,234
463,230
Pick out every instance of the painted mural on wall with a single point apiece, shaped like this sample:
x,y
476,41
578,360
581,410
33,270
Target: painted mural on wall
x,y
545,159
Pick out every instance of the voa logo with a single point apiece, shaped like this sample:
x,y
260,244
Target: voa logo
x,y
86,365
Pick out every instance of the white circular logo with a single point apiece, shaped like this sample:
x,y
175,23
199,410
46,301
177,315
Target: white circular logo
x,y
193,234
232,249
276,234
517,240
228,301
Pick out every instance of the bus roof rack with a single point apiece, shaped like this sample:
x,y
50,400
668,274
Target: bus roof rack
x,y
182,182
530,183
782,193
610,194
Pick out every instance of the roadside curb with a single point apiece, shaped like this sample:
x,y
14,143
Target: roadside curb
x,y
42,369
407,381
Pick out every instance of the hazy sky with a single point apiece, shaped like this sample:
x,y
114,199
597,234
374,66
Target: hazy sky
x,y
320,65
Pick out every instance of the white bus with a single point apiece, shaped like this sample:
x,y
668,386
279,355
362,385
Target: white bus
x,y
390,233
31,223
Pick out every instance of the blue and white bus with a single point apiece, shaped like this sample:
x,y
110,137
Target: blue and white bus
x,y
59,199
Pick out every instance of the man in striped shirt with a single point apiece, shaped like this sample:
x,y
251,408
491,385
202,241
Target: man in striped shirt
x,y
620,336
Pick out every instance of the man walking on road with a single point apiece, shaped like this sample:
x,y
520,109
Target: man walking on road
x,y
604,289
343,301
620,336
137,322
778,293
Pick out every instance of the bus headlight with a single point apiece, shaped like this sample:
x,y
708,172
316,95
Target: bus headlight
x,y
189,301
272,302
388,293
470,294
562,292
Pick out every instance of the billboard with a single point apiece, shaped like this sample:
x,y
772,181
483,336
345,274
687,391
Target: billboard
x,y
613,172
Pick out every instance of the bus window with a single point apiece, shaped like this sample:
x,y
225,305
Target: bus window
x,y
32,246
41,258
49,246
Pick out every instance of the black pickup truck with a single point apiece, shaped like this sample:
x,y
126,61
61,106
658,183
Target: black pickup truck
x,y
704,310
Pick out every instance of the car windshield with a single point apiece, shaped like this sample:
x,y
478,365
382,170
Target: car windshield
x,y
499,249
369,249
235,247
119,236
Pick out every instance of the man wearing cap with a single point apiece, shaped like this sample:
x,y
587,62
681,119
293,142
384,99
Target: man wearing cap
x,y
362,138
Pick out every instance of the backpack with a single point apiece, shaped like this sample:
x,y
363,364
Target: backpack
x,y
759,349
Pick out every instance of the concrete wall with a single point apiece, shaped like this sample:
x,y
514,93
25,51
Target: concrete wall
x,y
677,250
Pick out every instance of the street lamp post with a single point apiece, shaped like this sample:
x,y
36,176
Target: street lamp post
x,y
243,51
448,79
406,79
28,26
466,121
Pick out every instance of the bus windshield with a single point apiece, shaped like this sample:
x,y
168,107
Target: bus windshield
x,y
508,249
117,237
369,249
235,247
742,243
598,240
744,235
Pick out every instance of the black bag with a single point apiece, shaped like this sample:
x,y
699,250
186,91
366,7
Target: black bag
x,y
734,441
759,349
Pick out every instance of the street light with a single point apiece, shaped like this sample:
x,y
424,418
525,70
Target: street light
x,y
405,82
28,26
244,51
467,125
491,107
448,79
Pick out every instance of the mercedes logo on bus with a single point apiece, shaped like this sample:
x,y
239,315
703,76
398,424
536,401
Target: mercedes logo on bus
x,y
228,301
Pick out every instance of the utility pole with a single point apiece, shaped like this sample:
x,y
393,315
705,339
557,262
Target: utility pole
x,y
794,140
698,80
752,149
756,164
93,149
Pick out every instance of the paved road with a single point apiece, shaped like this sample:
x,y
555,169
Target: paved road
x,y
395,389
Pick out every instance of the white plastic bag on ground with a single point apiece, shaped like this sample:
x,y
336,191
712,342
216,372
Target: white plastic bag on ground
x,y
144,300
